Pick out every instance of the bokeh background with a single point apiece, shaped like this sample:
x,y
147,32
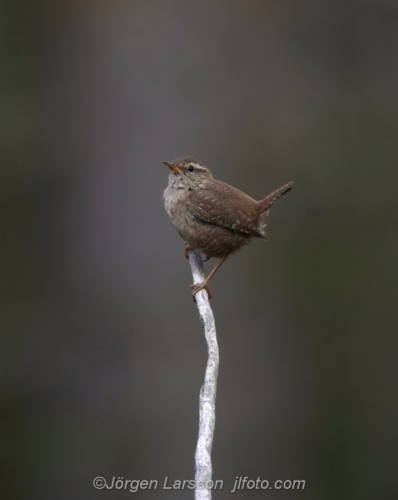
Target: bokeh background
x,y
102,352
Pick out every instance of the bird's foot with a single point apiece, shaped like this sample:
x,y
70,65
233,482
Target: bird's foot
x,y
189,249
186,252
198,288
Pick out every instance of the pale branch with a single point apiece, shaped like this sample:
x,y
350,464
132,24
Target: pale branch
x,y
207,399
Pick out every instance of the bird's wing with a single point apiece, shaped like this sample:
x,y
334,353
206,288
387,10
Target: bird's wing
x,y
225,206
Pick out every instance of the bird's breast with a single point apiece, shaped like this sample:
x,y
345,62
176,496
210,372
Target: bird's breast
x,y
175,201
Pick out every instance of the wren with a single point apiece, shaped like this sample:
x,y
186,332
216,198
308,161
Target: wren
x,y
212,216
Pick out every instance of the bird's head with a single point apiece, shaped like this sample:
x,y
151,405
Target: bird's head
x,y
187,173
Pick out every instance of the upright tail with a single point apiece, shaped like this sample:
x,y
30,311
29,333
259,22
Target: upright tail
x,y
266,204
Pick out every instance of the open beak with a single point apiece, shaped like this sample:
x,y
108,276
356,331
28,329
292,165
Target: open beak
x,y
173,167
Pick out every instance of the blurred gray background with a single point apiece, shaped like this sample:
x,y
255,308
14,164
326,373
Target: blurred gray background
x,y
102,352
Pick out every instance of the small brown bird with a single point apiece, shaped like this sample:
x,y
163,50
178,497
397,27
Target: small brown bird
x,y
213,216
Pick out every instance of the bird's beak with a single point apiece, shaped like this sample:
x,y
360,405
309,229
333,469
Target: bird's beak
x,y
173,167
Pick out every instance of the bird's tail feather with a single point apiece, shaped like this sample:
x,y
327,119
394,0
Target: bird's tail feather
x,y
266,204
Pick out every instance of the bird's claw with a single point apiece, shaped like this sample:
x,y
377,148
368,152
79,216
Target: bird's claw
x,y
198,287
186,252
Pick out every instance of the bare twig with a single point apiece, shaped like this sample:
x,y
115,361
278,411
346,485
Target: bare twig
x,y
207,399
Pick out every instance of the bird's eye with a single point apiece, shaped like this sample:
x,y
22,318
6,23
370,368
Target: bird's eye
x,y
190,168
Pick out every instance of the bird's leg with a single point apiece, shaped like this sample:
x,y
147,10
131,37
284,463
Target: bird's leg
x,y
204,285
